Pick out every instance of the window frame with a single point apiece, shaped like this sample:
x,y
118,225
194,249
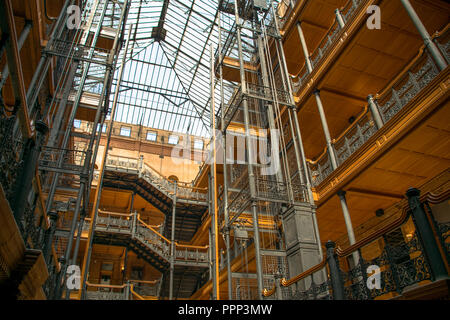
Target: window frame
x,y
125,128
151,132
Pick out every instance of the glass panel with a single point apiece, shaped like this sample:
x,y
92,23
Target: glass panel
x,y
152,135
125,131
173,139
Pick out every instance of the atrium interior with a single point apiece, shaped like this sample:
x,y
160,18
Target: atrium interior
x,y
224,149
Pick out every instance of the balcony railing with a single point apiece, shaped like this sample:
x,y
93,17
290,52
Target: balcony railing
x,y
68,161
398,254
333,34
408,84
10,152
284,10
152,176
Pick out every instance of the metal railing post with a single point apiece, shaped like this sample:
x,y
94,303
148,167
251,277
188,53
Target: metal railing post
x,y
437,56
335,272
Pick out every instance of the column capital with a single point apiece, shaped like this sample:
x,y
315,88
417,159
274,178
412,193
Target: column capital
x,y
316,91
369,97
341,194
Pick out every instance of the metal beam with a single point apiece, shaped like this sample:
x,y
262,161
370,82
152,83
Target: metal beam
x,y
8,27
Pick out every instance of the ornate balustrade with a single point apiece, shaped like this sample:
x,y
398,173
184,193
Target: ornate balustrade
x,y
142,289
267,93
133,225
152,176
407,85
382,265
11,147
107,292
62,160
328,41
352,139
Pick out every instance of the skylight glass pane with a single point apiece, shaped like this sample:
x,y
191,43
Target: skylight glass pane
x,y
198,144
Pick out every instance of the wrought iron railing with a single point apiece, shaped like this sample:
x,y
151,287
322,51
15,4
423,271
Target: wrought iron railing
x,y
51,283
395,254
328,41
355,137
284,10
401,91
152,176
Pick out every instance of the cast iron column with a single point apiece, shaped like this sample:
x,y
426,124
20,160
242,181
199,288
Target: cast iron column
x,y
426,235
440,61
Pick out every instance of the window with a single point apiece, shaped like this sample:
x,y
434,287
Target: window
x,y
198,144
103,128
76,123
173,139
125,131
152,135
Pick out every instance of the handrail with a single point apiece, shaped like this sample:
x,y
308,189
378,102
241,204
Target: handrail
x,y
267,293
135,293
169,241
428,196
310,271
157,233
380,95
191,246
354,124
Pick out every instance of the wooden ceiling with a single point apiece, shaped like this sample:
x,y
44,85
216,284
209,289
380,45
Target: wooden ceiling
x,y
414,160
316,18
